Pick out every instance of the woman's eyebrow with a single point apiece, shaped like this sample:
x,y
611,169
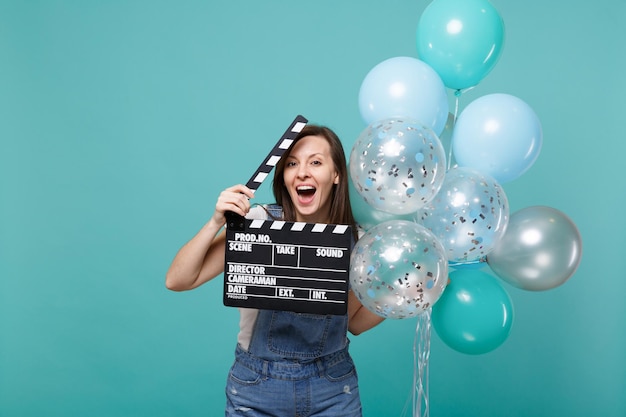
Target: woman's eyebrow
x,y
316,154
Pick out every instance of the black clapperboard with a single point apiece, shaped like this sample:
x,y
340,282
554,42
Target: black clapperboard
x,y
290,266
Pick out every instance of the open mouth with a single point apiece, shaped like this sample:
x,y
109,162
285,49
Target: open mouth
x,y
306,191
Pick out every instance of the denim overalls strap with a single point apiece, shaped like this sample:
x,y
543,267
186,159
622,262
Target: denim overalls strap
x,y
280,335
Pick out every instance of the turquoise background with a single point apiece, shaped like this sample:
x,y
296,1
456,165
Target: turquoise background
x,y
120,121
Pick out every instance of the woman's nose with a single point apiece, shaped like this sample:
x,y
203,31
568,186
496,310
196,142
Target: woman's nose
x,y
303,171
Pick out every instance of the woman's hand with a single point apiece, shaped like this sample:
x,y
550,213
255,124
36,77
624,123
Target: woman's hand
x,y
235,199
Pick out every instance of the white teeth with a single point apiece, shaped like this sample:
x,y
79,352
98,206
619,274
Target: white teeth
x,y
305,188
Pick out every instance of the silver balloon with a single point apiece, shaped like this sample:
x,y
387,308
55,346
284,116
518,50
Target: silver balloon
x,y
398,269
397,165
540,250
469,215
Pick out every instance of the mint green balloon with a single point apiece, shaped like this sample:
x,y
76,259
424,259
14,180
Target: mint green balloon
x,y
474,314
461,40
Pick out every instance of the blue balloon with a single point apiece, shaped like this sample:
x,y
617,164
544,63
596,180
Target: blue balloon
x,y
404,87
461,40
474,315
499,135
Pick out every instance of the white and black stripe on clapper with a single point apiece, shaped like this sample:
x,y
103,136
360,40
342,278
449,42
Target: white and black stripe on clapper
x,y
276,153
234,221
292,266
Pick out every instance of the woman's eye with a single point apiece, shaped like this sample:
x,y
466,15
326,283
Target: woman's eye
x,y
291,164
316,163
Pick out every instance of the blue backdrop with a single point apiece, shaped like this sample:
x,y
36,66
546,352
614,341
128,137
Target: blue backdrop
x,y
121,120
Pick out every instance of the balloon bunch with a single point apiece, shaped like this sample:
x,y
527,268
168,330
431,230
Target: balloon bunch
x,y
422,217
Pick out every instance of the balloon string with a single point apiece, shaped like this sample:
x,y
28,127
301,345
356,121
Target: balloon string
x,y
457,94
421,354
454,264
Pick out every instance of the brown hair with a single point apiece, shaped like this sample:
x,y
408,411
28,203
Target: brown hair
x,y
340,210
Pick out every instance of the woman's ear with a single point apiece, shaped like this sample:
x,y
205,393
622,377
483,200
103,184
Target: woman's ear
x,y
336,180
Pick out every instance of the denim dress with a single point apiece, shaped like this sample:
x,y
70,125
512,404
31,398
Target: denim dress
x,y
297,364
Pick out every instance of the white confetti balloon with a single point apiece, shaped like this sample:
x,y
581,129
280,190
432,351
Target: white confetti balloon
x,y
397,165
398,269
469,215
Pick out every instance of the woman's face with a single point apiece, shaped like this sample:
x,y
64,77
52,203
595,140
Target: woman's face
x,y
309,176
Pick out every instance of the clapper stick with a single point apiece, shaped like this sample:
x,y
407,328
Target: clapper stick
x,y
235,221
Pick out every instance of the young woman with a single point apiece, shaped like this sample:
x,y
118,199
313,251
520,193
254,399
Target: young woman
x,y
286,364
